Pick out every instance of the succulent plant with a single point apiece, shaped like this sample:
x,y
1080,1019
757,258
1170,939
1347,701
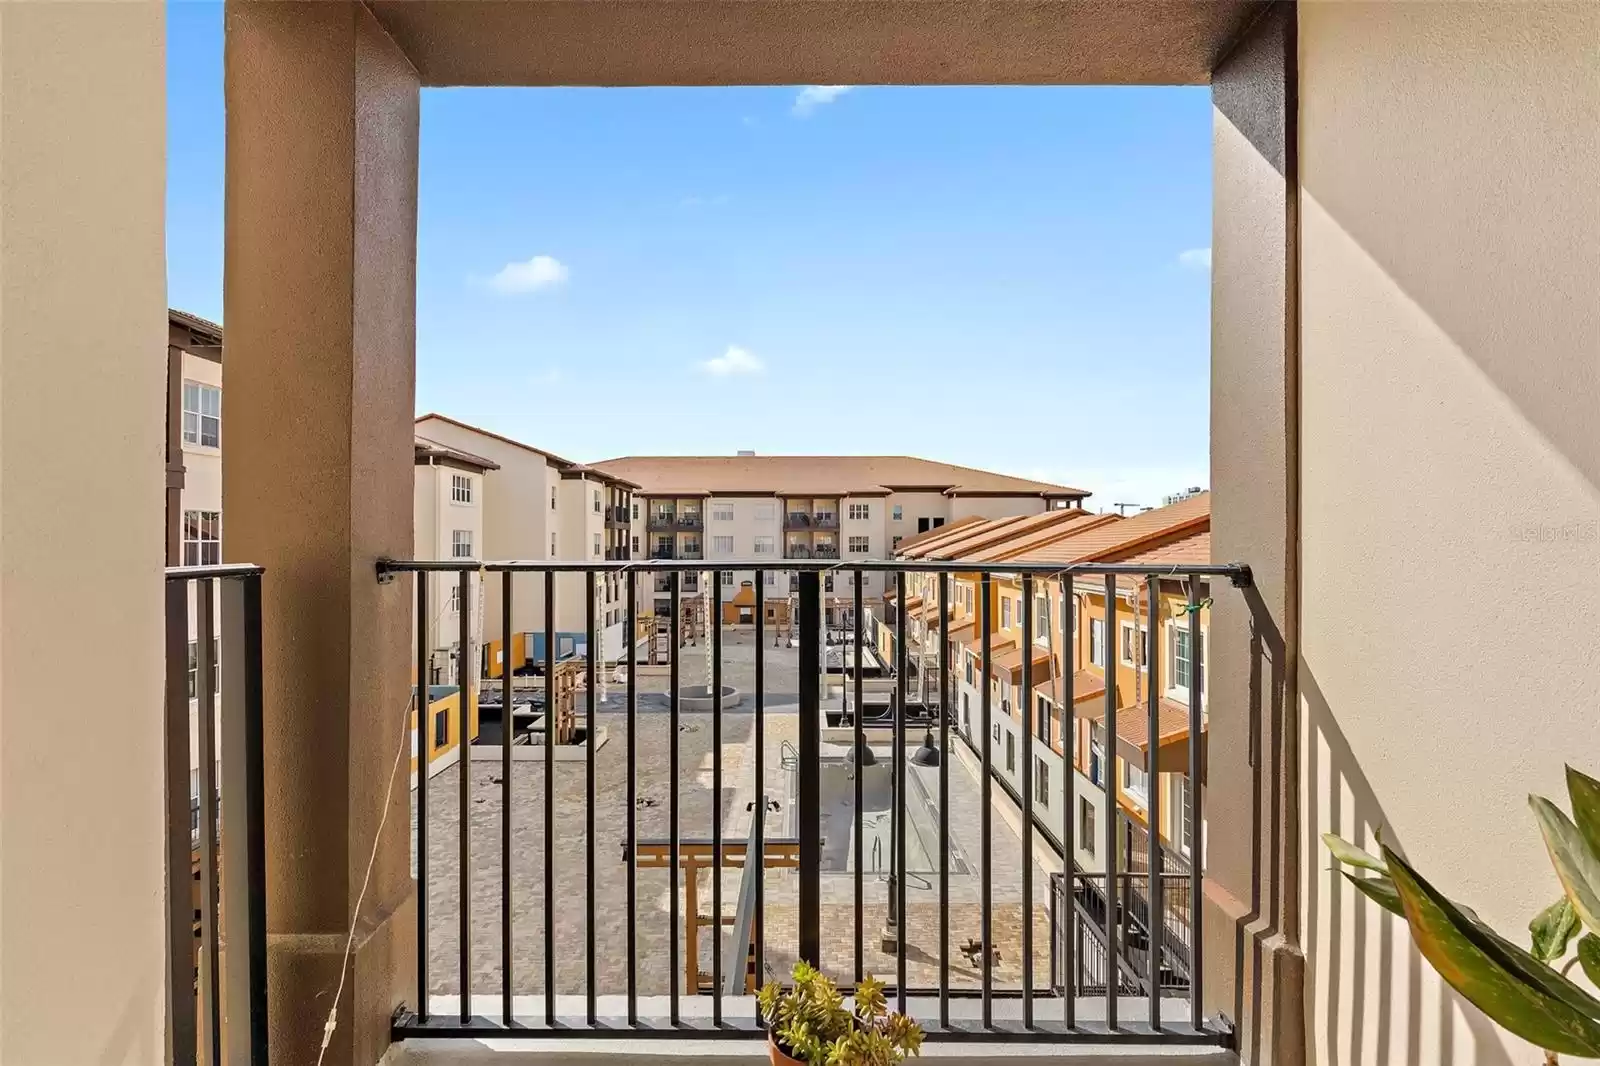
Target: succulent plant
x,y
1521,989
812,1023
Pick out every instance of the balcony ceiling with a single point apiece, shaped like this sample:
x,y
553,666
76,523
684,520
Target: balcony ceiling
x,y
797,42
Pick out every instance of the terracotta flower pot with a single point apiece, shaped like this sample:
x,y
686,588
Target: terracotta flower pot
x,y
779,1056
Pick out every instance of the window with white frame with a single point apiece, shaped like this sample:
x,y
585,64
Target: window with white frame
x,y
897,514
1086,830
552,498
1041,782
1136,783
194,667
460,488
552,545
1011,752
1097,757
1133,650
1182,827
827,582
202,414
1185,655
597,545
721,545
636,512
1041,620
461,544
596,501
455,597
722,512
1042,719
772,577
859,545
763,546
727,579
1005,612
896,545
202,538
1097,642
635,545
860,511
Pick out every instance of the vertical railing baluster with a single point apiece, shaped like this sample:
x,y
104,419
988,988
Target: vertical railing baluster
x,y
716,803
808,823
210,982
759,811
1026,722
591,734
1197,659
986,832
945,711
419,705
630,649
1155,897
465,695
1069,851
1109,771
181,1003
550,721
242,854
897,776
508,721
859,740
673,640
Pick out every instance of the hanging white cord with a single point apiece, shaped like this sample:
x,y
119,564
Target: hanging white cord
x,y
332,1023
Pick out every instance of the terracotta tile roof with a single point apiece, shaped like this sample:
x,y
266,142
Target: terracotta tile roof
x,y
1116,540
931,547
822,475
1182,549
1086,685
425,449
1010,660
195,323
941,531
1133,722
1013,546
963,632
963,542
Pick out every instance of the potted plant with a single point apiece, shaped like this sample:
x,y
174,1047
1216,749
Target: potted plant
x,y
811,1023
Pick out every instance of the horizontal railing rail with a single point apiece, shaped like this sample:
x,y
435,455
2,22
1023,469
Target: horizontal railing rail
x,y
215,837
706,735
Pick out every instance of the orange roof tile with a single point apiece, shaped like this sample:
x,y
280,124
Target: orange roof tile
x,y
1086,684
933,548
1133,722
822,475
1118,539
1011,547
1010,661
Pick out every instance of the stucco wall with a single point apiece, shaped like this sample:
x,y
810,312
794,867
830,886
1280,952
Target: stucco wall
x,y
1450,466
83,331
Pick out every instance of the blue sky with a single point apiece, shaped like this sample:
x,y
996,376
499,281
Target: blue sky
x,y
1010,278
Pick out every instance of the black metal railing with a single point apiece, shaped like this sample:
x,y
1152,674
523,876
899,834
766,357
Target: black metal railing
x,y
796,551
827,519
660,523
797,520
789,823
215,841
689,521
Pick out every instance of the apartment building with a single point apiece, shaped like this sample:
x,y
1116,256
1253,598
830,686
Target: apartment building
x,y
448,523
753,507
538,505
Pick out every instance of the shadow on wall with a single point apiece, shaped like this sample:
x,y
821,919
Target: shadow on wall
x,y
1356,953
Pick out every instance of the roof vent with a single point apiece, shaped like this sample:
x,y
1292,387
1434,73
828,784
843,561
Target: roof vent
x,y
746,455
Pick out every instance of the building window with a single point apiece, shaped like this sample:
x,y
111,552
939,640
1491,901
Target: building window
x,y
722,512
966,715
1097,757
721,545
1097,642
994,732
460,488
597,545
859,545
896,545
897,515
596,501
552,497
1086,833
1005,612
969,665
1041,782
1133,649
860,511
202,538
827,582
461,544
636,545
763,545
194,667
1042,724
772,577
553,545
441,729
455,598
1136,783
1182,826
202,414
1041,620
635,512
1011,752
1182,662
727,579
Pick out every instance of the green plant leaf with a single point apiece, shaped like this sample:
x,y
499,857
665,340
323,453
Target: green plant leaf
x,y
1344,851
1584,792
1576,863
1379,889
1473,960
1552,929
1589,957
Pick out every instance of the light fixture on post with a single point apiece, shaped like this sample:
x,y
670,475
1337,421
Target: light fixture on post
x,y
927,755
861,754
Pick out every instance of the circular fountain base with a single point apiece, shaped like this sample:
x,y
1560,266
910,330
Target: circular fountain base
x,y
699,698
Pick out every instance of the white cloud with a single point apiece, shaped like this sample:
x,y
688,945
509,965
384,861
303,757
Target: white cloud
x,y
735,360
540,272
812,97
1195,259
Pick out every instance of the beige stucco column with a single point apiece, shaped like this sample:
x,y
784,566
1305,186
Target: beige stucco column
x,y
1253,963
319,367
82,379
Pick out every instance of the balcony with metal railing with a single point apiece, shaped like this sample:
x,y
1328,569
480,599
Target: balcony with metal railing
x,y
867,849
